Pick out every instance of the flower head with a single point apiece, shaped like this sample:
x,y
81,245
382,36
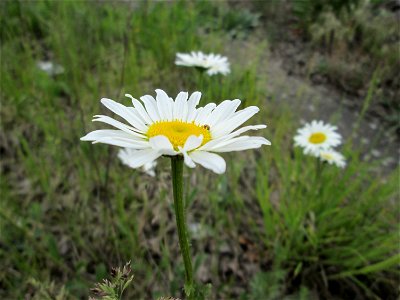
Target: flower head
x,y
213,63
163,126
333,157
50,67
317,136
127,155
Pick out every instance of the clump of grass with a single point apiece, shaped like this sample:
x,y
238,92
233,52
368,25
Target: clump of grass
x,y
325,233
309,10
46,291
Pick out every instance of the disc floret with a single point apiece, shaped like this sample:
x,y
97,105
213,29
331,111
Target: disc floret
x,y
178,132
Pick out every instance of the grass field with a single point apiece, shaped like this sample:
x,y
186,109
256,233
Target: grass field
x,y
268,228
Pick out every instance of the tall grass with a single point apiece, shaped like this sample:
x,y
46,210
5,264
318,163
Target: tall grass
x,y
325,230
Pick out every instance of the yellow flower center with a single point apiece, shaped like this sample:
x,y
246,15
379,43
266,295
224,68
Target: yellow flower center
x,y
317,138
177,132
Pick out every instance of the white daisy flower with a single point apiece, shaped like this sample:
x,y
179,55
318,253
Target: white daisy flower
x,y
163,126
333,158
213,63
50,68
317,136
127,155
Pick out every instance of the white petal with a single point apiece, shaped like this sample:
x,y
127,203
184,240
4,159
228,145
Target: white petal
x,y
151,107
193,142
117,124
188,161
197,112
193,101
162,144
143,157
107,133
241,143
221,143
180,106
208,146
123,142
136,120
204,113
223,111
209,160
244,129
127,113
164,105
149,168
140,109
126,155
235,121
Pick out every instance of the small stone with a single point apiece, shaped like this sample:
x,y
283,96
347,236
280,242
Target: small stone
x,y
376,153
364,141
373,126
388,161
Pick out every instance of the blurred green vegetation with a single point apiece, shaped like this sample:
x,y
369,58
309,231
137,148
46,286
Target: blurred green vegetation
x,y
70,211
309,10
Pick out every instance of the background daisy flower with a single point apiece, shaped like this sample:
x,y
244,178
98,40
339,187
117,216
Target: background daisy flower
x,y
213,63
333,157
127,155
317,136
164,126
50,67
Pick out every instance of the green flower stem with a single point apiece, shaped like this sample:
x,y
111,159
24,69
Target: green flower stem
x,y
318,170
318,175
177,183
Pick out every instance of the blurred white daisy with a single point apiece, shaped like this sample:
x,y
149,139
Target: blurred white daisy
x,y
317,136
333,157
127,155
197,230
213,63
50,68
164,126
